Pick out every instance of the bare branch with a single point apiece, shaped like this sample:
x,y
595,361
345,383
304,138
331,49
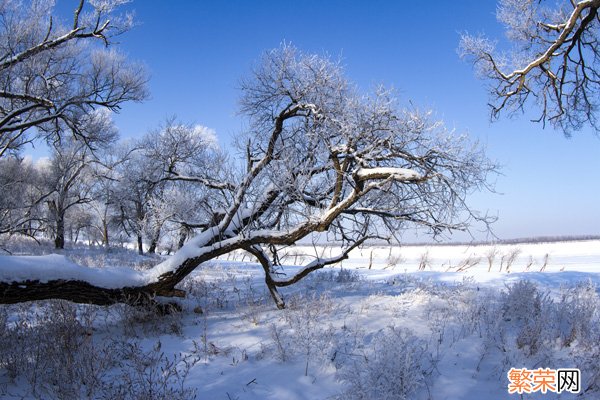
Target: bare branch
x,y
549,63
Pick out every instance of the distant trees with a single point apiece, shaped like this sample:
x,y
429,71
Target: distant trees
x,y
19,196
154,189
554,61
103,207
67,180
322,162
137,179
66,184
58,84
188,167
165,181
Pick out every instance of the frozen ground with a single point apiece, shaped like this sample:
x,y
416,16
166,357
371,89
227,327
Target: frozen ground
x,y
416,322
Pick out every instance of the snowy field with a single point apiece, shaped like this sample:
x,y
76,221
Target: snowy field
x,y
411,322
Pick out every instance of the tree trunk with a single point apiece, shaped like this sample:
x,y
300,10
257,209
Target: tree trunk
x,y
154,244
105,238
212,245
183,234
83,292
140,244
59,240
139,223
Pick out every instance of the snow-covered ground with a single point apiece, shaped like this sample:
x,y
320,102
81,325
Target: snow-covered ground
x,y
414,322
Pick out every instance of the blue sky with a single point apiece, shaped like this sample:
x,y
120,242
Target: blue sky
x,y
196,52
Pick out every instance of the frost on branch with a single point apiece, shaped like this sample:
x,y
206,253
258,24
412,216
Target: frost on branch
x,y
554,61
323,162
54,75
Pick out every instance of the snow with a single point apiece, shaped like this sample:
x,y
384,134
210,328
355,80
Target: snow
x,y
50,267
193,248
579,256
55,266
342,314
400,174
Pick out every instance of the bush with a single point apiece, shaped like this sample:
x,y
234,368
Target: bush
x,y
395,366
53,348
305,332
578,314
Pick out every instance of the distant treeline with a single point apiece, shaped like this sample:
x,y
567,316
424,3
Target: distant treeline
x,y
537,239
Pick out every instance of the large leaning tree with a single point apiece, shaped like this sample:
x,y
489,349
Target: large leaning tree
x,y
554,61
53,75
322,163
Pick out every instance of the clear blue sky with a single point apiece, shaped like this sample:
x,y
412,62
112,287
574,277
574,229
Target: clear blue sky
x,y
196,51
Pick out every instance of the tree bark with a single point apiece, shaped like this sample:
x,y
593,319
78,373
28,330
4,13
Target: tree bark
x,y
59,240
85,293
105,237
140,244
154,242
183,235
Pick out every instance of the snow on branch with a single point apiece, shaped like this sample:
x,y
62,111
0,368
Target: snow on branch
x,y
397,174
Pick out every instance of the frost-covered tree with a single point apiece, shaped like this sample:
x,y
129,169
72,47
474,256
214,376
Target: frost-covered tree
x,y
53,74
191,167
79,224
66,182
19,196
104,206
137,177
167,179
554,61
324,162
66,179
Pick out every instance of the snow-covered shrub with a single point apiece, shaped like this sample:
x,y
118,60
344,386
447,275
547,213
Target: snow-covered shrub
x,y
209,295
99,257
394,260
252,302
509,258
533,329
451,311
467,263
347,276
521,301
530,313
150,375
54,351
341,275
305,332
574,318
281,342
394,367
424,261
140,320
578,314
347,343
490,256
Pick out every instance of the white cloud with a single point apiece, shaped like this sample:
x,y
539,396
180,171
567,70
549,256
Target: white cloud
x,y
208,135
